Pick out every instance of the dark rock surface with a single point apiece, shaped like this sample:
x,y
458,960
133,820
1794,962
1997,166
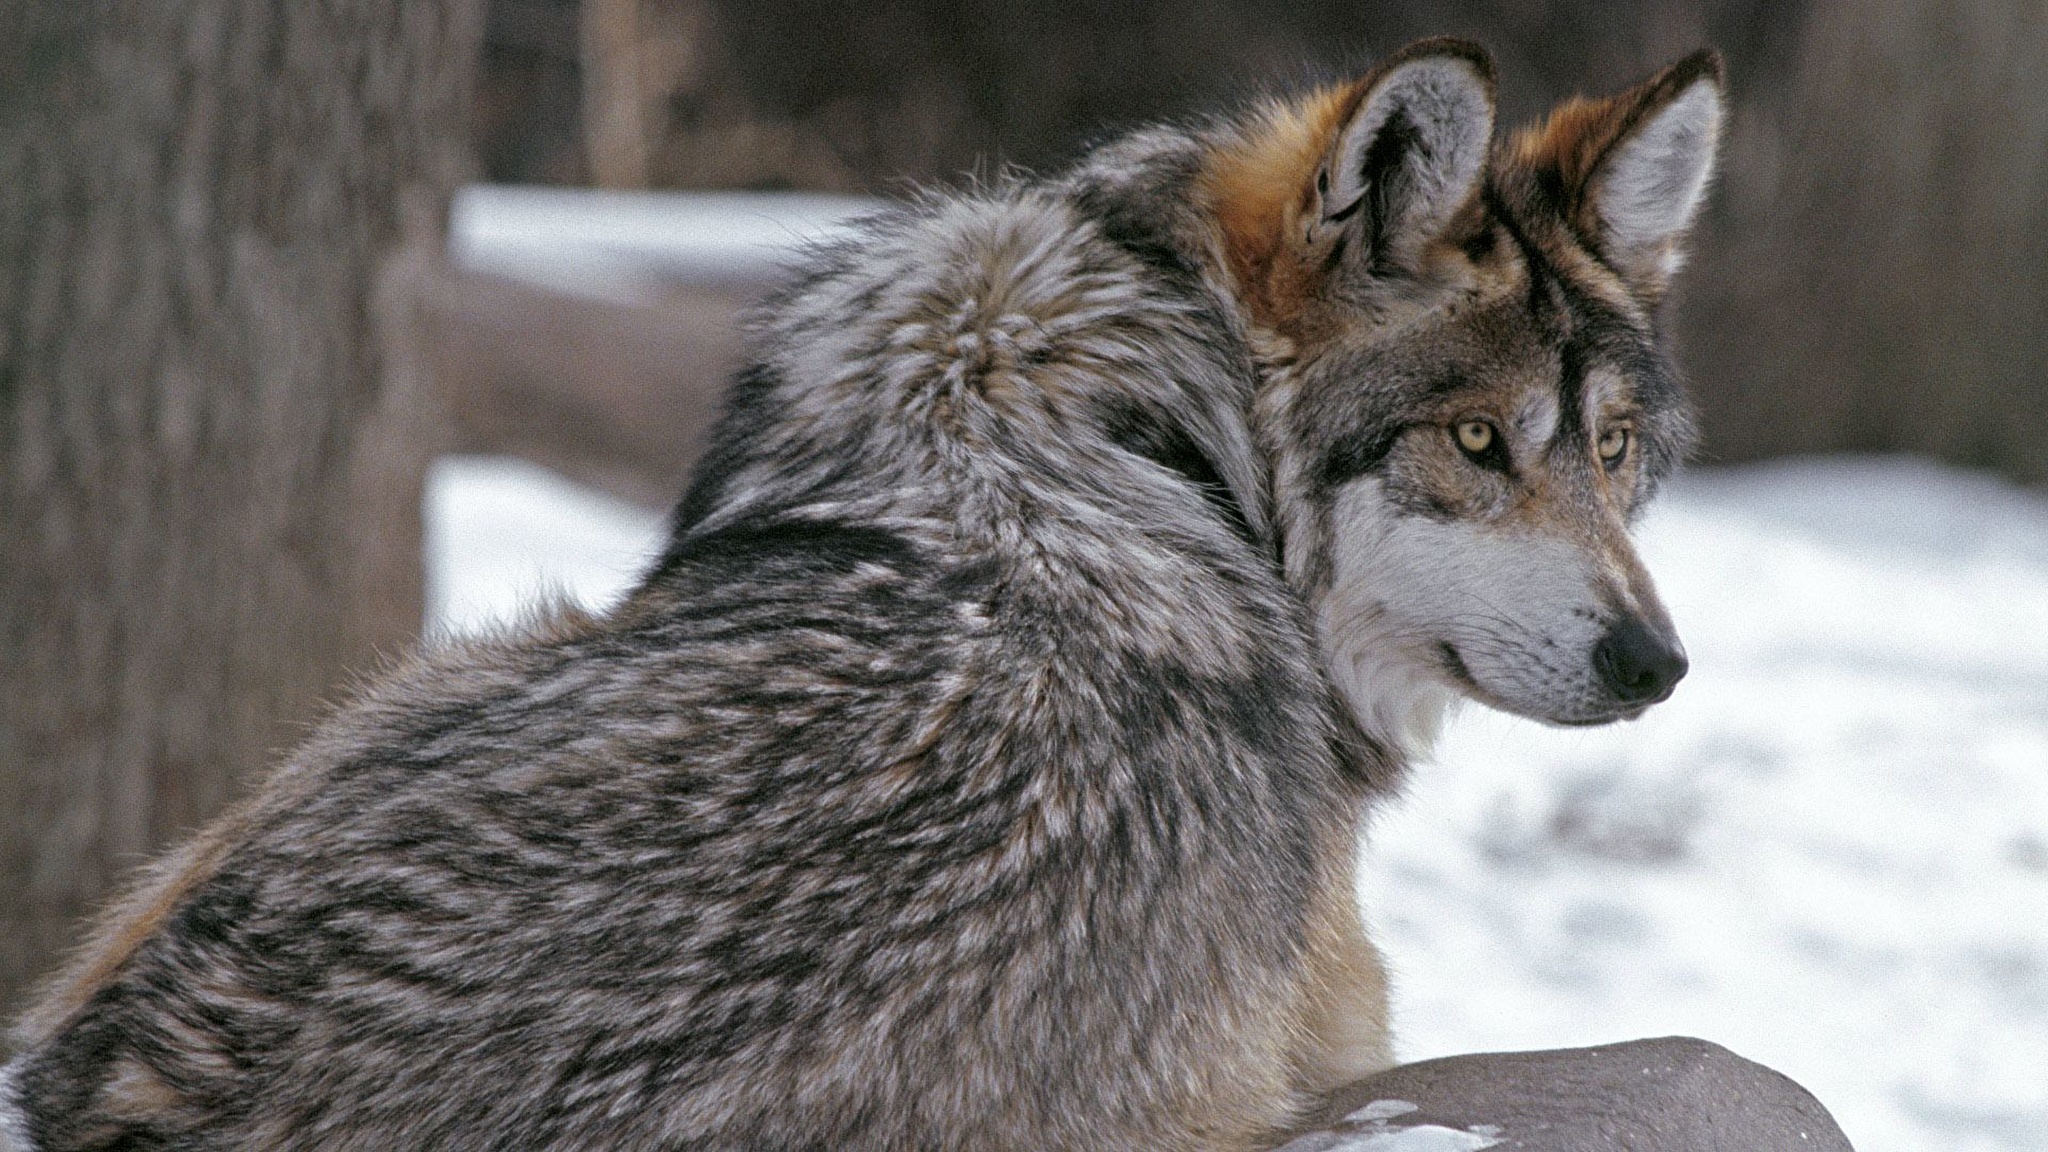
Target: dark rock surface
x,y
1674,1094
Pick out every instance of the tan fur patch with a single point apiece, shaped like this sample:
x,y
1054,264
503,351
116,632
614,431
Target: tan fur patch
x,y
1261,188
1345,1009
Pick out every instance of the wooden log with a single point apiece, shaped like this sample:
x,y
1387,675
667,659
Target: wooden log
x,y
595,332
618,394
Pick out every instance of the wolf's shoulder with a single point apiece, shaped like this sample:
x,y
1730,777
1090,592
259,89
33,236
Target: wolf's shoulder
x,y
1000,341
1021,258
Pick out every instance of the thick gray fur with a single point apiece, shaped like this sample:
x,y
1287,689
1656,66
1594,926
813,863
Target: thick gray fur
x,y
954,756
964,776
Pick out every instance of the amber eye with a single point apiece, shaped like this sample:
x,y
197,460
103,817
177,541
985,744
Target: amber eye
x,y
1474,436
1614,444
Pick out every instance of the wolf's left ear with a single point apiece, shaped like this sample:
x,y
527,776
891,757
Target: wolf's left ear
x,y
1411,151
1647,183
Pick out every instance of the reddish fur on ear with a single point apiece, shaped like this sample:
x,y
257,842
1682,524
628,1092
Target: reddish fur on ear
x,y
1262,188
1570,144
1261,184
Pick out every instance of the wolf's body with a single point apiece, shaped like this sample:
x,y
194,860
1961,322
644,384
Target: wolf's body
x,y
982,765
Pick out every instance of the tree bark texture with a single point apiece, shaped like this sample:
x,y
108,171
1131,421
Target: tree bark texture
x,y
1878,278
213,434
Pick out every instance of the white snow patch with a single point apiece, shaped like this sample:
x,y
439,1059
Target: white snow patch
x,y
503,535
624,246
1829,851
1381,1110
1420,1138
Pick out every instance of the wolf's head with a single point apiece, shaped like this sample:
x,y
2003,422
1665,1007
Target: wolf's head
x,y
1465,401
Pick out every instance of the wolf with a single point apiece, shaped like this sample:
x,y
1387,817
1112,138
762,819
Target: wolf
x,y
982,764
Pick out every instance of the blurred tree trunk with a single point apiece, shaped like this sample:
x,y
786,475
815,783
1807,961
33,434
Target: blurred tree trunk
x,y
614,108
213,435
1880,277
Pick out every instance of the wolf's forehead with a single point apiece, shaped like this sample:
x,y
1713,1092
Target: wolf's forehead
x,y
1543,378
1544,402
1537,417
1565,327
1531,237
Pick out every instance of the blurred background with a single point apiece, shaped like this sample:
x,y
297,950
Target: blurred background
x,y
286,290
1869,278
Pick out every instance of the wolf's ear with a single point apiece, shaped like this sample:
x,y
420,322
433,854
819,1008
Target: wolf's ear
x,y
1647,181
1410,153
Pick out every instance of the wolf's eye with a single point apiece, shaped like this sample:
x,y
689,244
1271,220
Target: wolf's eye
x,y
1476,437
1613,445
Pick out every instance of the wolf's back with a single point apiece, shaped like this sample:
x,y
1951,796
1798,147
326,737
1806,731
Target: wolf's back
x,y
946,679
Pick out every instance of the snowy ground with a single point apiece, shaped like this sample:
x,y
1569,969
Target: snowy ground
x,y
1829,851
623,246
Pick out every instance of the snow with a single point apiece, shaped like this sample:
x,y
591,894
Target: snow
x,y
1829,851
503,535
1367,1130
1420,1138
624,246
1382,1110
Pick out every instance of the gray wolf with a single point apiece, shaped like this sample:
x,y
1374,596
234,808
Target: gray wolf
x,y
982,766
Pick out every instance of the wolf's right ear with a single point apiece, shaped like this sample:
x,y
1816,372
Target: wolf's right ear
x,y
1410,153
1634,168
1648,184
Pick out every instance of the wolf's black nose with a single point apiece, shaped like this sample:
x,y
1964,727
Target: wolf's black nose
x,y
1638,664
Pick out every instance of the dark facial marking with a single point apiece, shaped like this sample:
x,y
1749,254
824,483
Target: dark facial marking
x,y
1600,336
1540,272
1571,391
1355,455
